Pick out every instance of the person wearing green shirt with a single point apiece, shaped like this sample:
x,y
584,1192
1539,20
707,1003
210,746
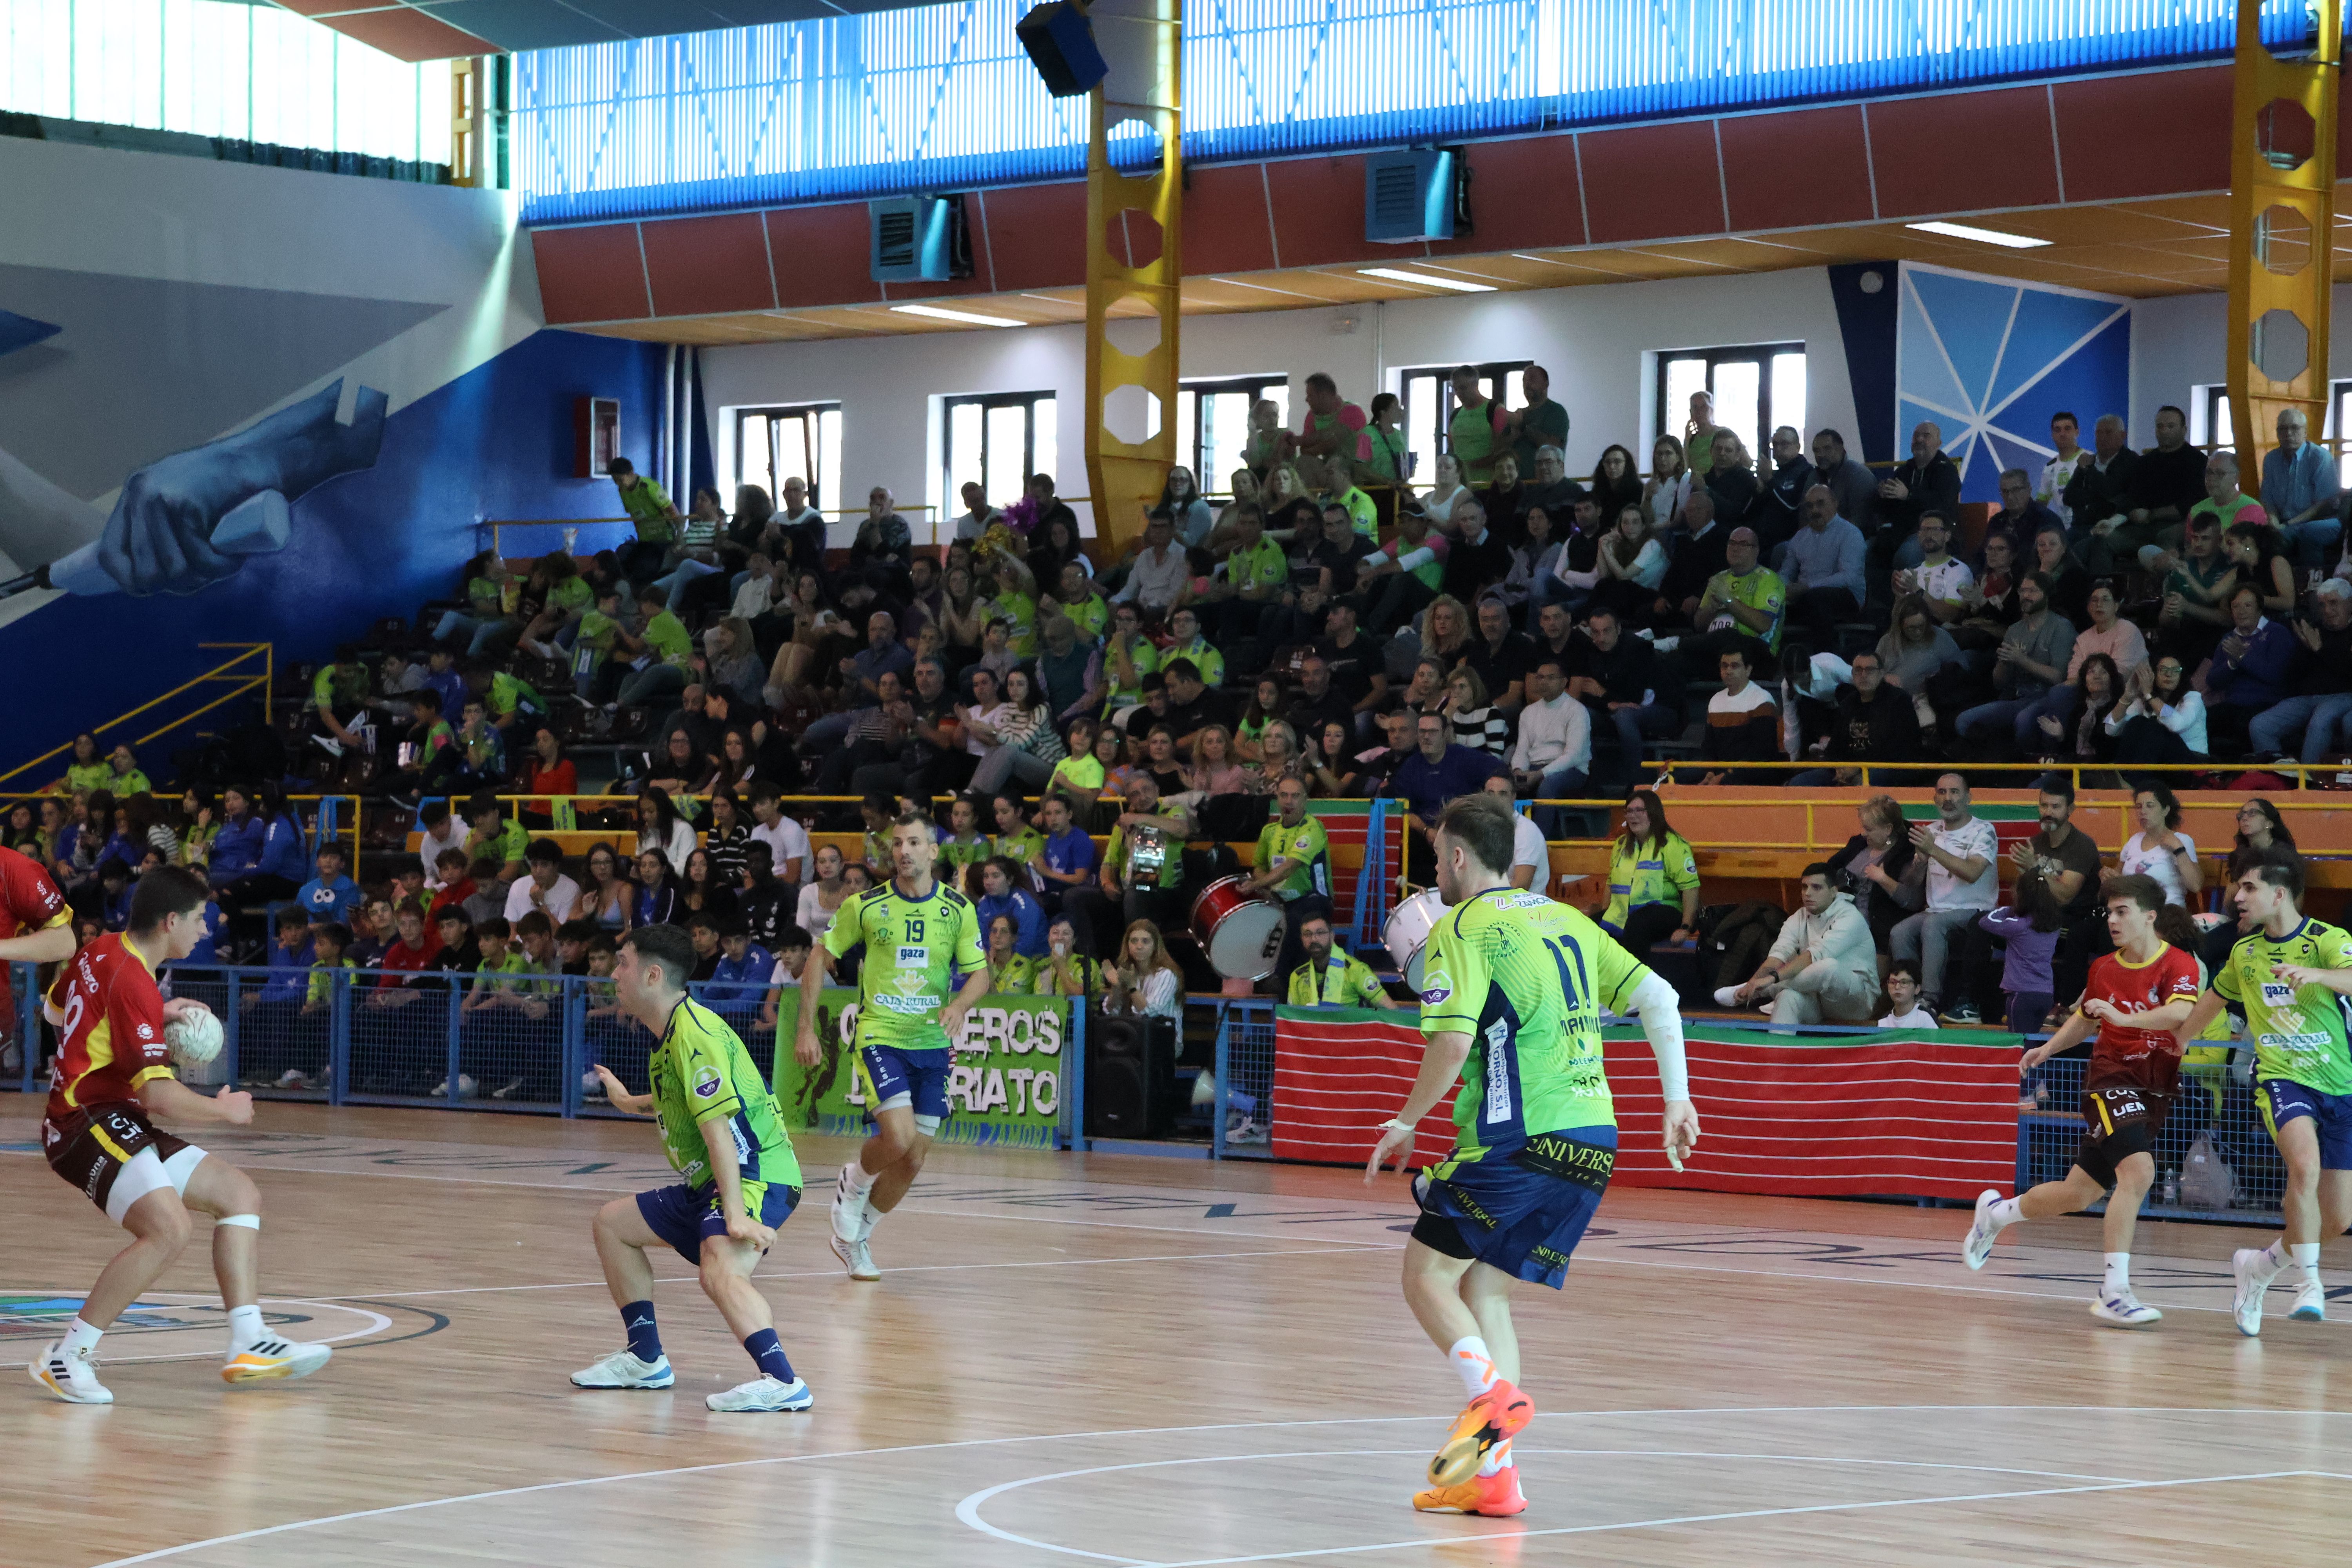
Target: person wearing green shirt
x,y
919,933
1742,607
1015,839
654,517
964,845
339,694
1015,600
1088,609
1066,969
1363,512
1541,423
2291,975
724,1136
1127,657
123,776
1653,878
657,659
2223,504
1474,434
505,696
1512,993
1184,626
87,770
1328,977
1008,973
1293,863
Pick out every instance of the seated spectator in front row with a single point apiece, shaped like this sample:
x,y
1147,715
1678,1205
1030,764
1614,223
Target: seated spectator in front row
x,y
1823,968
1903,1009
1653,888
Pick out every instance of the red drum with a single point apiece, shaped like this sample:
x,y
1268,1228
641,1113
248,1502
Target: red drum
x,y
1239,929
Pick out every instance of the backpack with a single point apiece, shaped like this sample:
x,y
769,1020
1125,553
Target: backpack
x,y
1733,939
2206,1182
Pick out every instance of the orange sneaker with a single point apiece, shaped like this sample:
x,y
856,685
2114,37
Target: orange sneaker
x,y
1493,1418
1494,1496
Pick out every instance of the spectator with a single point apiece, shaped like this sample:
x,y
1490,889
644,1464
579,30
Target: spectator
x,y
2097,497
1499,655
1009,971
1628,570
2300,493
1927,482
1478,724
2194,608
2161,717
1823,968
1940,579
882,534
2253,557
1622,681
1741,608
546,889
1215,770
1903,1009
1069,672
1437,771
1142,866
662,831
548,773
1880,870
1383,453
1779,511
1480,428
1824,564
1404,578
1083,773
824,894
2248,669
1991,599
1530,853
2083,737
2029,925
2108,634
1653,880
1731,480
1144,981
1067,857
2070,585
1025,744
2065,433
2322,686
1068,969
1617,483
1698,433
2068,861
2165,486
1743,722
1338,771
1553,757
1669,486
329,896
2159,851
2029,674
1963,877
609,899
655,520
2021,516
1015,601
1851,484
973,522
1699,552
1875,724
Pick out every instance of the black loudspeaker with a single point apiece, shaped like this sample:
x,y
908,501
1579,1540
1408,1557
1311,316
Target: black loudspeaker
x,y
1130,1080
1061,45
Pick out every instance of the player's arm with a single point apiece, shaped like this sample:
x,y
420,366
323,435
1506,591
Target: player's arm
x,y
618,1094
54,945
1441,1069
2072,1033
2170,1015
2297,974
167,1097
719,1138
2209,1007
973,961
1659,1010
813,978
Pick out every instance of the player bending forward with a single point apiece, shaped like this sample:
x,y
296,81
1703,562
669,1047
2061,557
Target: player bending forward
x,y
112,1074
1512,991
919,933
2138,995
721,1132
2292,974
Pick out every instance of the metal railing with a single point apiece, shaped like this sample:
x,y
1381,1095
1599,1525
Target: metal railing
x,y
237,673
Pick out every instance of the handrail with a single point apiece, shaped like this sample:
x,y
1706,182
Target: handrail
x,y
218,672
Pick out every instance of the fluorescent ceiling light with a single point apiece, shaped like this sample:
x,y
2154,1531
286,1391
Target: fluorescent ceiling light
x,y
938,313
1981,236
1398,275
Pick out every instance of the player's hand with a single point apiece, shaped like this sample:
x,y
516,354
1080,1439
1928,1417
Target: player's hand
x,y
2032,1058
2099,1008
235,1106
2297,974
805,1049
615,1090
180,1007
951,1018
1681,1131
744,1227
1396,1144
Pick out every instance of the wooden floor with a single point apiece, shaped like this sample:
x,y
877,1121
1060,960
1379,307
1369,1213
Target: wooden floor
x,y
1134,1360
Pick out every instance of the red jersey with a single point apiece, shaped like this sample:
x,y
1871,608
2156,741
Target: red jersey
x,y
2147,1060
29,901
109,1016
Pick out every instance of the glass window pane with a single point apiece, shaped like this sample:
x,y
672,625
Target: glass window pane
x,y
2225,434
1684,376
1738,400
825,475
753,461
1007,436
1188,432
1221,436
1788,392
965,451
1420,398
1042,445
1514,390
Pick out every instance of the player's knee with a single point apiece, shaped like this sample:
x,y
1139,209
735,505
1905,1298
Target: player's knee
x,y
161,1222
607,1222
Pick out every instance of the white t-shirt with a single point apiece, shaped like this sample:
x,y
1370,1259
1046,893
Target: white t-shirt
x,y
1973,838
1946,579
2142,858
557,901
430,849
787,842
1528,848
1917,1019
2055,473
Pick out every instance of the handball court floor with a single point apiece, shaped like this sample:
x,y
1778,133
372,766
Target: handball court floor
x,y
1135,1361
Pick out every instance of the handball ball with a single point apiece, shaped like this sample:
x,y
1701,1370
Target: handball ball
x,y
195,1036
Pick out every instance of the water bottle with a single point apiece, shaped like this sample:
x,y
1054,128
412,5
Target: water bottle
x,y
2171,1186
571,542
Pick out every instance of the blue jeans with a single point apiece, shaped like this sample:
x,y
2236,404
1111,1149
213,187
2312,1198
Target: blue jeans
x,y
2314,543
1636,724
2325,719
2022,715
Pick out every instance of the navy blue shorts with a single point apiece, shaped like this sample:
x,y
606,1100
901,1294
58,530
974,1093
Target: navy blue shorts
x,y
2283,1100
921,1076
683,1215
1522,1220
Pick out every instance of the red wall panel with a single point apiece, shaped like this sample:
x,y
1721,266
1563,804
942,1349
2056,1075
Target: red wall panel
x,y
1798,170
701,265
1318,214
2150,135
592,274
1964,151
1522,197
1227,227
1651,182
822,255
1038,233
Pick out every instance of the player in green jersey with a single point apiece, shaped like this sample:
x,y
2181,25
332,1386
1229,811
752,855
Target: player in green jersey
x,y
1512,991
2291,973
919,934
720,1129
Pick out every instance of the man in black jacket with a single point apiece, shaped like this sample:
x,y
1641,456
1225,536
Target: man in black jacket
x,y
2098,497
1628,689
1928,483
1875,723
1698,555
1779,511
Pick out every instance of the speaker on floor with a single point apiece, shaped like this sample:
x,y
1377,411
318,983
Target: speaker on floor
x,y
1130,1079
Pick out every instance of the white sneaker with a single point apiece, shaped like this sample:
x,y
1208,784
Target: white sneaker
x,y
293,1077
2246,1304
467,1087
72,1378
269,1359
848,1212
854,1252
2125,1311
621,1369
1666,645
763,1392
1727,995
1983,1232
2310,1303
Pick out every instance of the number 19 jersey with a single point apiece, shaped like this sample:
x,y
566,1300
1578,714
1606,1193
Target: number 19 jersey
x,y
1526,978
914,947
2298,1032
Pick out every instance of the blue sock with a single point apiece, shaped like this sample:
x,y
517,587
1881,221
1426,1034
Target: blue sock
x,y
644,1339
765,1349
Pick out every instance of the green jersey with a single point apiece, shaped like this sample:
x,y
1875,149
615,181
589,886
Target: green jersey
x,y
1024,847
1207,661
955,854
648,506
1090,616
1142,658
667,636
1526,979
2298,1032
913,949
1307,847
701,1071
1758,590
509,694
1342,980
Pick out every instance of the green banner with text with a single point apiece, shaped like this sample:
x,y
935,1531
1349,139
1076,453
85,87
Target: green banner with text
x,y
1006,1086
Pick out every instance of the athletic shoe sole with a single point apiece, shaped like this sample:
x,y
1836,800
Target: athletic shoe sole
x,y
2246,1301
278,1369
800,1402
842,1249
2313,1312
2116,1320
40,1373
1485,1425
1971,1253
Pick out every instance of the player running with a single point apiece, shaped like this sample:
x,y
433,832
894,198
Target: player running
x,y
112,1074
721,1132
2138,996
917,934
2291,973
1512,990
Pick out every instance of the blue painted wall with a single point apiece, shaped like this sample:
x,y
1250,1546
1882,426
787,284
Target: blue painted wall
x,y
494,443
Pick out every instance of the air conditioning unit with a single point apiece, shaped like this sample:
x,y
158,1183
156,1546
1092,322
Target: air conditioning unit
x,y
918,239
1412,196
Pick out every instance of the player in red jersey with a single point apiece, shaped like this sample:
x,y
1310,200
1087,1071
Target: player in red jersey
x,y
36,927
2136,996
113,1072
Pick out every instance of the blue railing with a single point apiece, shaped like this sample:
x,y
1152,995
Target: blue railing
x,y
942,97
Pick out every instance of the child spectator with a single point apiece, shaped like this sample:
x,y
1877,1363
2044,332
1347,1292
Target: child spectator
x,y
792,954
766,905
571,941
289,955
457,942
438,834
113,894
376,933
1903,1009
488,898
331,944
742,972
454,881
703,928
2029,923
481,748
329,896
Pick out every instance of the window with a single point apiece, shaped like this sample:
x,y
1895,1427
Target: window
x,y
1429,404
1212,422
996,441
1757,390
2211,427
801,442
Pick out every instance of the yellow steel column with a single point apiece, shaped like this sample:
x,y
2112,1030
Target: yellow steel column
x,y
2281,217
1133,259
469,119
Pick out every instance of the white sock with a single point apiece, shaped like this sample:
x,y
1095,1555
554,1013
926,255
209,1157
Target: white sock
x,y
2006,1212
860,1181
2274,1258
1470,1361
2118,1273
245,1328
79,1337
2306,1254
1498,1457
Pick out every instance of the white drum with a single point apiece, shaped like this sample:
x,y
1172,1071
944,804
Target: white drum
x,y
1408,928
1240,930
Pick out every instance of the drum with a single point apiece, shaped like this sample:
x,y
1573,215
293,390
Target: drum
x,y
1407,932
1240,930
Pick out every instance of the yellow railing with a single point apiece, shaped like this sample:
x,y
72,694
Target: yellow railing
x,y
237,673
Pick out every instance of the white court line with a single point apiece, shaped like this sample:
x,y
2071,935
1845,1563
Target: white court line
x,y
968,1510
322,1303
583,1482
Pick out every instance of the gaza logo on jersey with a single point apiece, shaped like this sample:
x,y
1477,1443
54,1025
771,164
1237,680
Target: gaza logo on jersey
x,y
1436,987
705,1083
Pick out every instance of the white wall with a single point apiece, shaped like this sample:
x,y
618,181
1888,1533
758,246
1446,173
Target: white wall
x,y
2181,341
1593,339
